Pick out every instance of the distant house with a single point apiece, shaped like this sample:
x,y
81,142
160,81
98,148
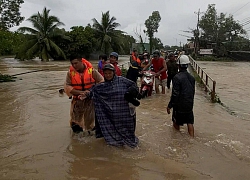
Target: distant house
x,y
190,45
140,47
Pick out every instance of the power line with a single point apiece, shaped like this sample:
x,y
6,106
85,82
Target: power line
x,y
241,8
245,23
245,19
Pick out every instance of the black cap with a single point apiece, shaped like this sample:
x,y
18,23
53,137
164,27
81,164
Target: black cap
x,y
109,66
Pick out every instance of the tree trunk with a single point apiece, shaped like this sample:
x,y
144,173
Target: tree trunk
x,y
150,44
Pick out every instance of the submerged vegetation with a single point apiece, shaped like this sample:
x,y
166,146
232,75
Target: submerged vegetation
x,y
6,78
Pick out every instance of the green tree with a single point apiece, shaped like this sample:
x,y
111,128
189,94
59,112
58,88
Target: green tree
x,y
40,37
152,25
126,43
106,31
10,42
83,40
9,13
6,42
157,44
62,43
219,29
122,42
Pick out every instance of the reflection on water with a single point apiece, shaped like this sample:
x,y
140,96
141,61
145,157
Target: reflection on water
x,y
37,142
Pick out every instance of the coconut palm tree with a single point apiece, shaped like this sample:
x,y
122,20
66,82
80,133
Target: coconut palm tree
x,y
40,39
106,31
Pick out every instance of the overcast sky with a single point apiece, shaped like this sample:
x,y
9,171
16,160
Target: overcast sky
x,y
176,15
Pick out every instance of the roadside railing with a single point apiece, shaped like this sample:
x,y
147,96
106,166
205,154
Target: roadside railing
x,y
209,83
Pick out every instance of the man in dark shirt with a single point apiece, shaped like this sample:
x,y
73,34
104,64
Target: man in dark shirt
x,y
172,68
182,98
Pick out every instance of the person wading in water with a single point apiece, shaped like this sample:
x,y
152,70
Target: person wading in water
x,y
80,78
182,98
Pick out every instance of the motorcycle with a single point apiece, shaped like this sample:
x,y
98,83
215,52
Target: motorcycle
x,y
147,83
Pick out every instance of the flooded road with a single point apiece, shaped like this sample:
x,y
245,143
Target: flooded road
x,y
37,142
233,85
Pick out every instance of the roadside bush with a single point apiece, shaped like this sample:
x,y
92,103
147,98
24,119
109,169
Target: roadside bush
x,y
213,58
6,78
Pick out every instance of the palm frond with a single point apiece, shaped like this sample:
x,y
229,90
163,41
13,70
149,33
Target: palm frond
x,y
106,38
36,21
53,27
33,50
27,29
58,50
30,43
44,27
44,54
97,26
47,44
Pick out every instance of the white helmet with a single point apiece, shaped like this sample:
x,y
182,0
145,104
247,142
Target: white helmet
x,y
183,59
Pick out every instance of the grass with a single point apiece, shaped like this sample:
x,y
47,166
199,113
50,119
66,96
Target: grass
x,y
6,78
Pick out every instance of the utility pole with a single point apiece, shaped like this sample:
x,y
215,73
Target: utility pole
x,y
197,33
175,41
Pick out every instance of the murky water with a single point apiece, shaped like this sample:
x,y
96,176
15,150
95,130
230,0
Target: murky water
x,y
37,143
233,85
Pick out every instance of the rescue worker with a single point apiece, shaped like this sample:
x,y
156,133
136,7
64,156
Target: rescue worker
x,y
80,78
160,68
182,98
113,59
134,68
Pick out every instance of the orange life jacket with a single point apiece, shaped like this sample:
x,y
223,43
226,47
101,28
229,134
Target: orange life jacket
x,y
136,59
84,82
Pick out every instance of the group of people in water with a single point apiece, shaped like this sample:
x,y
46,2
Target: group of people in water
x,y
103,102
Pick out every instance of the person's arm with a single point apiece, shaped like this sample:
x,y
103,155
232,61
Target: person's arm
x,y
98,79
175,94
147,66
118,71
163,69
69,89
97,76
132,92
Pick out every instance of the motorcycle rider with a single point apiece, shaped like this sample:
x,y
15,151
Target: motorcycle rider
x,y
160,68
146,52
145,60
182,98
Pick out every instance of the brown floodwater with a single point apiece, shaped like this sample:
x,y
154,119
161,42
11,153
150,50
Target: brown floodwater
x,y
37,142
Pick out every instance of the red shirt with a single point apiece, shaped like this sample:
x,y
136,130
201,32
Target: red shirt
x,y
158,65
118,71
